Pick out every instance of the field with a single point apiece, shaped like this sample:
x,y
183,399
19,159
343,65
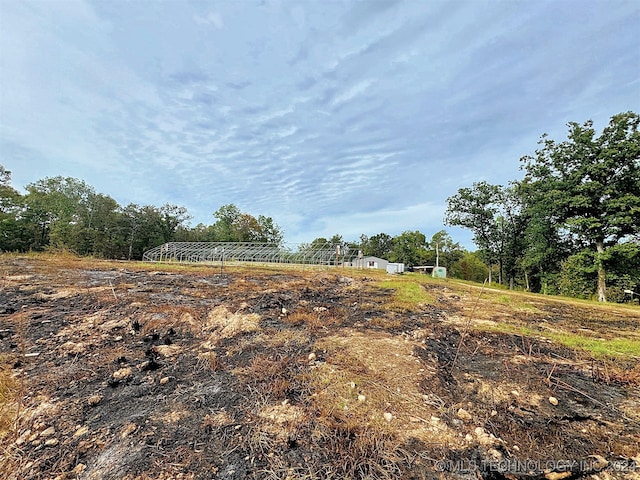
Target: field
x,y
114,370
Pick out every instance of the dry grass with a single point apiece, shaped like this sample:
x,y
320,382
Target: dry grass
x,y
11,392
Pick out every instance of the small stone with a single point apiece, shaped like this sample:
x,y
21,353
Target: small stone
x,y
48,432
23,438
52,442
81,467
117,339
462,414
164,380
553,401
361,398
81,431
494,413
123,373
599,463
352,384
128,429
94,400
284,311
516,448
515,393
388,416
312,356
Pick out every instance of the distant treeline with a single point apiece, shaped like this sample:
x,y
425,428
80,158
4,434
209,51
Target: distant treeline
x,y
66,213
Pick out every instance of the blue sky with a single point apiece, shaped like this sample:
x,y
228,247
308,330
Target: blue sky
x,y
329,116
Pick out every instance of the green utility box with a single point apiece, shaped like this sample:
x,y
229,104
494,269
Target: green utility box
x,y
439,272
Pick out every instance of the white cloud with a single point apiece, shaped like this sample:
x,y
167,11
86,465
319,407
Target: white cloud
x,y
212,18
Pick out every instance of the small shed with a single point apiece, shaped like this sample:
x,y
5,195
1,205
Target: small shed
x,y
371,262
395,267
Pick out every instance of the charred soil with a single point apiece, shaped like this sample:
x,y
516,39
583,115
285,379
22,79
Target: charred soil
x,y
125,371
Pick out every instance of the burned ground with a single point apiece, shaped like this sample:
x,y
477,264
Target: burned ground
x,y
122,371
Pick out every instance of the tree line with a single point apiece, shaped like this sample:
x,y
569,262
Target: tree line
x,y
571,225
67,213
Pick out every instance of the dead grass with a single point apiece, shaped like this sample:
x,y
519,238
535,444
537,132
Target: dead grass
x,y
11,392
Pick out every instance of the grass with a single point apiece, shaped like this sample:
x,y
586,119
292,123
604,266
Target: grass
x,y
598,347
408,294
10,393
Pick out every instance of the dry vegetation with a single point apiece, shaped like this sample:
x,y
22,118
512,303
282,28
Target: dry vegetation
x,y
124,371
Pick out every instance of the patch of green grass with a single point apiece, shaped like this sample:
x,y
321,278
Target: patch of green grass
x,y
598,347
408,294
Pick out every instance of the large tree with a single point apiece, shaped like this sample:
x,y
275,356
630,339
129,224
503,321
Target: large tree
x,y
409,248
444,250
592,184
379,245
476,208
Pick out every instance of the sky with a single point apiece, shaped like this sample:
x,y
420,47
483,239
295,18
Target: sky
x,y
331,117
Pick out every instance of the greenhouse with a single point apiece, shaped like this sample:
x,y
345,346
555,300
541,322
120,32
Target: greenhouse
x,y
242,252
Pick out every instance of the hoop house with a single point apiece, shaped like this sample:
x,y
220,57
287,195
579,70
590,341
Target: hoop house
x,y
213,252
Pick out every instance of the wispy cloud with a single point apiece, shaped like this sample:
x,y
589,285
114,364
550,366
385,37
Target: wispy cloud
x,y
331,117
211,18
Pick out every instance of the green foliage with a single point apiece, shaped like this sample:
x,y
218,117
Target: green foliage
x,y
590,185
494,214
469,267
235,226
66,214
409,248
379,245
443,250
578,276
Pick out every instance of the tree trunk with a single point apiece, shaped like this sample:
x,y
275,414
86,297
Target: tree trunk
x,y
526,280
602,286
490,271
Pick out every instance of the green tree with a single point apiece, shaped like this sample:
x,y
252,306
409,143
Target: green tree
x,y
270,232
227,216
444,250
409,248
476,208
592,183
379,245
233,225
470,267
12,232
55,207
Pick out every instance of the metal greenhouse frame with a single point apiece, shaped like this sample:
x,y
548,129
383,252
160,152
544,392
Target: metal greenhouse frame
x,y
248,252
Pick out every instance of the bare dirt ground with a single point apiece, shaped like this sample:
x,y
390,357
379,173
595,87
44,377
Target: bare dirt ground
x,y
125,371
